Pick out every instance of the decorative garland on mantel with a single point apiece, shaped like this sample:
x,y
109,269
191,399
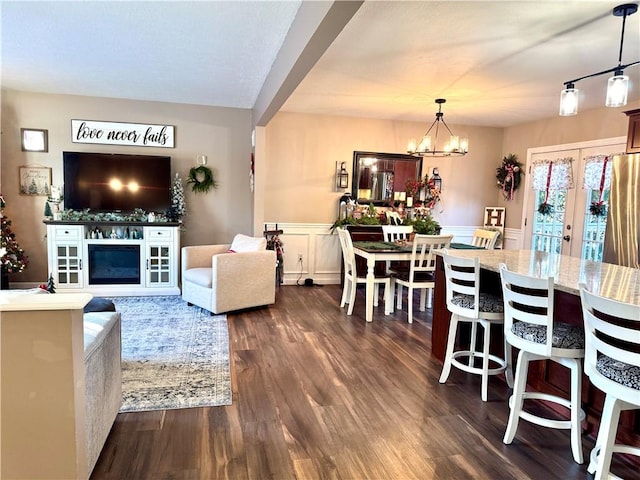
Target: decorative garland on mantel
x,y
201,179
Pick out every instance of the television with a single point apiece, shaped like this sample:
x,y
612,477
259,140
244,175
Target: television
x,y
110,182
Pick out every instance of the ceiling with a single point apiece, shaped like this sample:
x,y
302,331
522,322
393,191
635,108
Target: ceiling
x,y
497,63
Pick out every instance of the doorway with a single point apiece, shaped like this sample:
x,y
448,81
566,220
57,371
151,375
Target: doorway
x,y
568,226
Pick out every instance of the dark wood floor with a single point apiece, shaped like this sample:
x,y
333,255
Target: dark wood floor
x,y
318,394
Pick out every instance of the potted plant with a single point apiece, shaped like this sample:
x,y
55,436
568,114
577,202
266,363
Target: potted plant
x,y
425,225
368,216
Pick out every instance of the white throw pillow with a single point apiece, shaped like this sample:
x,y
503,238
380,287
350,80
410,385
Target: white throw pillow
x,y
243,243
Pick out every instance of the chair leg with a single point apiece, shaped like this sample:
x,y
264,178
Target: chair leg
x,y
607,436
376,293
508,358
517,399
410,304
576,424
423,298
399,296
430,298
352,297
388,297
485,359
451,340
472,346
345,292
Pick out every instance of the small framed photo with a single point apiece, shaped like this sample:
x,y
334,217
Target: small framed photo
x,y
34,140
35,180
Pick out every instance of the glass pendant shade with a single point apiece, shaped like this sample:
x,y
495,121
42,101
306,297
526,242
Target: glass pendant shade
x,y
618,85
617,88
569,101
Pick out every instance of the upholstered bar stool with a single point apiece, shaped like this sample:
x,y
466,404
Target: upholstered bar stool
x,y
467,304
613,367
529,326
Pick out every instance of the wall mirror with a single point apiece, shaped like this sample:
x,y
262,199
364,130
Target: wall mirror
x,y
378,176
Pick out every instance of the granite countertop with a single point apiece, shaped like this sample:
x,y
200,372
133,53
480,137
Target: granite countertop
x,y
27,300
605,279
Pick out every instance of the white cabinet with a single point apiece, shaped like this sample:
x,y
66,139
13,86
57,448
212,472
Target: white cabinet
x,y
161,257
114,259
66,255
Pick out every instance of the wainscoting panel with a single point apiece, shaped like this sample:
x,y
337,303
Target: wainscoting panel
x,y
322,257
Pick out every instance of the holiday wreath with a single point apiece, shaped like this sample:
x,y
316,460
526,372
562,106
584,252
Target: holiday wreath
x,y
201,179
509,175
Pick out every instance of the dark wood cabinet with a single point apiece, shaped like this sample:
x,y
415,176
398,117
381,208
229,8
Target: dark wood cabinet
x,y
633,134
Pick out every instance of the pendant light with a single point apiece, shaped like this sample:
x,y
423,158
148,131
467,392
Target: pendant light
x,y
617,86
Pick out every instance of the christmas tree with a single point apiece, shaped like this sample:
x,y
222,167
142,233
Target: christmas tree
x,y
178,207
12,257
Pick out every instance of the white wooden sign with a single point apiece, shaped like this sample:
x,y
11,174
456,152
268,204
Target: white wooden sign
x,y
117,133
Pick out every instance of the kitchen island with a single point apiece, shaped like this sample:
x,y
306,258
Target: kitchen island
x,y
608,280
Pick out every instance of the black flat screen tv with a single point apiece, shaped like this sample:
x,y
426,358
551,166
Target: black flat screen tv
x,y
110,182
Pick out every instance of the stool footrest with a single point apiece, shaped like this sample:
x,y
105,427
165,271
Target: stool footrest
x,y
477,370
544,421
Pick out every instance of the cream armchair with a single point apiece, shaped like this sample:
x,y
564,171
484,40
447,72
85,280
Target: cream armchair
x,y
219,280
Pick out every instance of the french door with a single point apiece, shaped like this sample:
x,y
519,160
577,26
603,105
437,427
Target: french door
x,y
570,229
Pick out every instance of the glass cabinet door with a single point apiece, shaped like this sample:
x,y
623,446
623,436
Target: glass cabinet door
x,y
69,265
159,265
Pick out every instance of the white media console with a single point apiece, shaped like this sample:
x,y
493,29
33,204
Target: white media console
x,y
114,258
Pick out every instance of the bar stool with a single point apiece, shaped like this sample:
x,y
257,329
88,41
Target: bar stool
x,y
529,326
613,367
467,304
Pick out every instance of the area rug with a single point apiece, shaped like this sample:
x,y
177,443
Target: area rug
x,y
173,355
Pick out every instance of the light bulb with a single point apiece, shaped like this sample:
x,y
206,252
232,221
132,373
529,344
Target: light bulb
x,y
569,101
617,88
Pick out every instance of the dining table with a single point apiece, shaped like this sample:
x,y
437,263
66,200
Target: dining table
x,y
380,251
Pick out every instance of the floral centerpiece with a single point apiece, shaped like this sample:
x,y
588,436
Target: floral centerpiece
x,y
413,186
360,216
424,224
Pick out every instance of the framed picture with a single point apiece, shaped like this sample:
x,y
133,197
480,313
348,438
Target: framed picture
x,y
34,140
35,180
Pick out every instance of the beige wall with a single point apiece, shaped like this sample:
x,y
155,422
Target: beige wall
x,y
302,151
296,182
223,134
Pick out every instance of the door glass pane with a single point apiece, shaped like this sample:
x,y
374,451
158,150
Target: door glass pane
x,y
547,229
594,227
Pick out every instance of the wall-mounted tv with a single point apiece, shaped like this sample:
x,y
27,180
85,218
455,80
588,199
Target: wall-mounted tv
x,y
109,182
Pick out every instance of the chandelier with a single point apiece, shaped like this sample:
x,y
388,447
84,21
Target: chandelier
x,y
428,146
618,84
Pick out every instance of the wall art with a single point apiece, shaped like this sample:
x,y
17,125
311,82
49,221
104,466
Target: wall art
x,y
118,133
34,140
35,180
